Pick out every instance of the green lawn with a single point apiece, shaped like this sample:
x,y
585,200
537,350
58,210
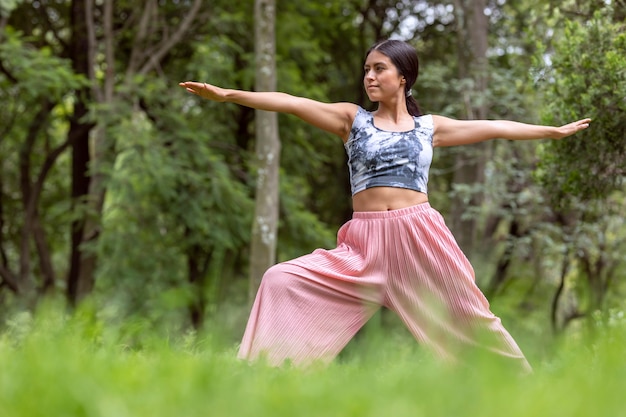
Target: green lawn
x,y
59,366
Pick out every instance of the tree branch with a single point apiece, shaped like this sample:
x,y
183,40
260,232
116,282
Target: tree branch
x,y
43,252
168,43
8,74
9,278
91,50
109,51
29,195
138,43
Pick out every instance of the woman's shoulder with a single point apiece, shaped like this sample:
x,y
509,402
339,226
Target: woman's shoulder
x,y
362,116
361,111
425,120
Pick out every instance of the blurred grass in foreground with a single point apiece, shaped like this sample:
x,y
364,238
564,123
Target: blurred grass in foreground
x,y
76,366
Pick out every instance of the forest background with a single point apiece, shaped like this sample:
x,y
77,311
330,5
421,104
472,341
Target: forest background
x,y
123,193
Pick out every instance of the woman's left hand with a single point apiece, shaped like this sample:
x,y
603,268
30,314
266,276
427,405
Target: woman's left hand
x,y
571,128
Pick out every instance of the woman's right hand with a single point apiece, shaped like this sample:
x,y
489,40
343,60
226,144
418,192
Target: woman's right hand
x,y
204,90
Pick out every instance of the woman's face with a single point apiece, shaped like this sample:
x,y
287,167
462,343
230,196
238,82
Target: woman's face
x,y
382,80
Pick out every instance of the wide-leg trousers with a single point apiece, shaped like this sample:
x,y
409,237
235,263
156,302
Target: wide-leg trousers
x,y
406,260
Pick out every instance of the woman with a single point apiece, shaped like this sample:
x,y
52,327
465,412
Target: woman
x,y
396,251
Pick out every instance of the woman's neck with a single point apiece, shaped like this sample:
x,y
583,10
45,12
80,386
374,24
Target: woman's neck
x,y
394,111
394,119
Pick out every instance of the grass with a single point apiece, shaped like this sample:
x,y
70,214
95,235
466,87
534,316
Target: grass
x,y
56,365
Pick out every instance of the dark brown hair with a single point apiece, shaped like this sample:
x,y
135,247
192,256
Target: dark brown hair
x,y
404,57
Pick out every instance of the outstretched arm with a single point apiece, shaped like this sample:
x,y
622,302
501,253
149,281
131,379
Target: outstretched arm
x,y
451,132
335,118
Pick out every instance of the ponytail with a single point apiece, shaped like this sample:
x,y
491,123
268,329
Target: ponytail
x,y
411,104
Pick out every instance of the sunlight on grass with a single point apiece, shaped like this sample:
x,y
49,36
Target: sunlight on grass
x,y
77,366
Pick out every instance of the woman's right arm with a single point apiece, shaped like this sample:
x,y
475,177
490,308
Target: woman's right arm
x,y
335,118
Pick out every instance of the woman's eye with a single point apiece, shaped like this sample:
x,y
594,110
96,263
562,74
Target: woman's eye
x,y
376,69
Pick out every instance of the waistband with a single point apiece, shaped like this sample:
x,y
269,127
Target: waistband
x,y
391,214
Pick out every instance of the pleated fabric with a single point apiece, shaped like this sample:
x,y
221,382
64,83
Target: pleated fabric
x,y
407,260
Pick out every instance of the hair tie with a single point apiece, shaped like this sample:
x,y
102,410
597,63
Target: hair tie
x,y
409,93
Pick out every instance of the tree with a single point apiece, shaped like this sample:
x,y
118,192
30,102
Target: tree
x,y
31,148
90,111
472,35
265,223
584,177
79,130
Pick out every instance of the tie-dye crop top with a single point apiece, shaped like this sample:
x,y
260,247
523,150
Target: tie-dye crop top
x,y
379,158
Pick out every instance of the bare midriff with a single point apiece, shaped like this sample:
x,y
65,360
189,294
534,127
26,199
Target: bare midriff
x,y
386,198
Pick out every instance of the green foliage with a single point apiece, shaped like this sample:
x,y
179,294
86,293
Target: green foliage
x,y
300,230
78,365
168,195
37,72
589,80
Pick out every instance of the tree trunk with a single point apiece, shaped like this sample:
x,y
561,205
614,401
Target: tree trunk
x,y
265,223
79,130
8,278
103,152
554,306
31,191
472,32
197,268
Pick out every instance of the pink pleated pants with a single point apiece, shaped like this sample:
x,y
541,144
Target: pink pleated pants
x,y
407,260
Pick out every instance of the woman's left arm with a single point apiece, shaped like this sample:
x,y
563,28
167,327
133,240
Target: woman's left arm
x,y
451,132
